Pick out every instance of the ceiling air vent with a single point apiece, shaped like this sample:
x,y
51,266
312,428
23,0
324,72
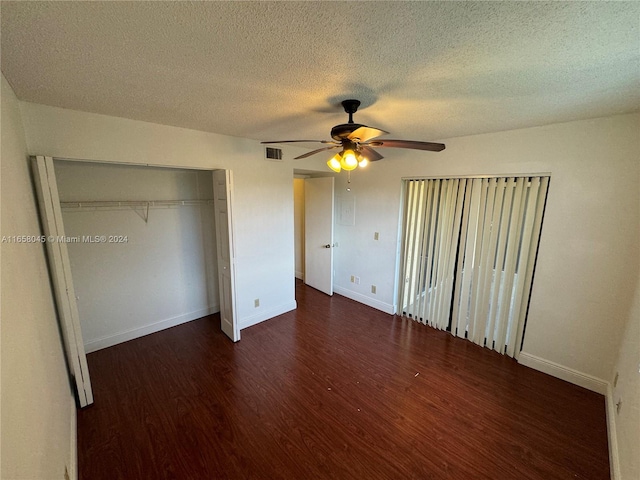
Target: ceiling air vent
x,y
273,154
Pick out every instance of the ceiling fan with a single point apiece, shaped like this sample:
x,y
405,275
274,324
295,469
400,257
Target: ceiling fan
x,y
357,142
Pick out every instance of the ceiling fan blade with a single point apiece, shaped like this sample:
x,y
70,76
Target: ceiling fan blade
x,y
433,147
313,152
364,134
298,141
370,153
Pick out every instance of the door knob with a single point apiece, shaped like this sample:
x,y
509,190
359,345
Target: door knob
x,y
328,245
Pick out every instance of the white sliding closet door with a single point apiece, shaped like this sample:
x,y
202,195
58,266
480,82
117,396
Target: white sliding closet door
x,y
60,272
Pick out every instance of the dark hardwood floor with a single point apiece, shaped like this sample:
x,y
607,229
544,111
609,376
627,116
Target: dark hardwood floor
x,y
333,390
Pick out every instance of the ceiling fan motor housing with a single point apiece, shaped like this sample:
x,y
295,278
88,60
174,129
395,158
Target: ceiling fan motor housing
x,y
340,132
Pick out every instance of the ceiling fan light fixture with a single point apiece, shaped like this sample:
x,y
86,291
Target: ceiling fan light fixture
x,y
349,160
356,141
334,163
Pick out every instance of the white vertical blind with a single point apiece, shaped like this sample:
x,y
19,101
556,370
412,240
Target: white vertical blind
x,y
468,253
433,213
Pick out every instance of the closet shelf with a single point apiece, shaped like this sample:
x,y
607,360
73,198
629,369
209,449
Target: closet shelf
x,y
132,204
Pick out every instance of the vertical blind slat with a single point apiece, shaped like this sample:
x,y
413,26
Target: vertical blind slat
x,y
525,242
453,247
431,251
425,256
436,235
501,251
403,247
415,235
491,270
484,273
475,267
442,302
456,325
439,255
509,266
467,267
407,266
537,225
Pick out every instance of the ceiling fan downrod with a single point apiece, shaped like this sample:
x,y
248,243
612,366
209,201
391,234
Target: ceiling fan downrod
x,y
351,107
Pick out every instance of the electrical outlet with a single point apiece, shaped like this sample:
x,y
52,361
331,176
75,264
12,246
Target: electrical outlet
x,y
357,280
256,303
373,289
376,236
353,279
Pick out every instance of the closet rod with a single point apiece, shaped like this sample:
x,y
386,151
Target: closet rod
x,y
132,204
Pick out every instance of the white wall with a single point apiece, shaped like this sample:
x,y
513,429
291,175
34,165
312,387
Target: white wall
x,y
263,190
589,252
37,408
164,274
627,390
298,225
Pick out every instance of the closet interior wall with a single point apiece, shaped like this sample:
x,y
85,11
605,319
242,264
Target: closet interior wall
x,y
141,242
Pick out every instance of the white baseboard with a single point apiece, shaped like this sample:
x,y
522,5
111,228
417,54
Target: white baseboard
x,y
565,373
267,314
372,302
110,340
614,459
300,275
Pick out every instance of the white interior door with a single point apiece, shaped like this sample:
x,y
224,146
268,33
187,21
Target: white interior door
x,y
60,272
318,238
222,194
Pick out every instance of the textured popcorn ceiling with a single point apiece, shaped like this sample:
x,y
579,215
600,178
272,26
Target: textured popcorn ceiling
x,y
278,70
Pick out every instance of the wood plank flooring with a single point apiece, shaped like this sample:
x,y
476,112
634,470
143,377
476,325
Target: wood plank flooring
x,y
333,390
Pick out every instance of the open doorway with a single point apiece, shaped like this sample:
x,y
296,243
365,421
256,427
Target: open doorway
x,y
298,226
313,229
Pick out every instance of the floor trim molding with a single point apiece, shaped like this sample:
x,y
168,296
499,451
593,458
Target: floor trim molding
x,y
564,373
358,297
267,315
110,340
